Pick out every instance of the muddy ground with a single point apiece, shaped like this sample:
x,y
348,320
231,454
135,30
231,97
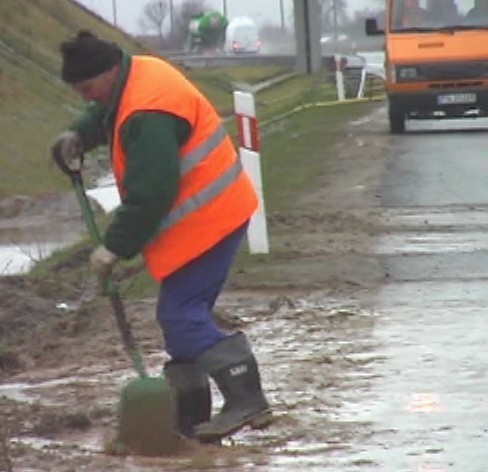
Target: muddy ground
x,y
62,365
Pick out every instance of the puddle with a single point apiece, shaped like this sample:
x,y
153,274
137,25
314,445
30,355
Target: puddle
x,y
18,392
431,242
19,258
454,230
18,251
33,240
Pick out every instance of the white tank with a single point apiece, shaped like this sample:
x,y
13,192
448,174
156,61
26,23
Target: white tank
x,y
242,36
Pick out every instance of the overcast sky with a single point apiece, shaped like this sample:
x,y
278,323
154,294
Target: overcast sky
x,y
129,12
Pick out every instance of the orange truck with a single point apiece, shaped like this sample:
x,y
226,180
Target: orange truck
x,y
436,59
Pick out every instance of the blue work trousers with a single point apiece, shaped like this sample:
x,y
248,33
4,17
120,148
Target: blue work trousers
x,y
187,297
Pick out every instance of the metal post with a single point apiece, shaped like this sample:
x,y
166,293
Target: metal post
x,y
282,15
114,11
307,35
334,13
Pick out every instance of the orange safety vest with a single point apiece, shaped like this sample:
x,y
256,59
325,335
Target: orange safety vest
x,y
215,195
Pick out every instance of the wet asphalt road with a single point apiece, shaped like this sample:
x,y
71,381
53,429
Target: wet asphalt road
x,y
399,383
429,403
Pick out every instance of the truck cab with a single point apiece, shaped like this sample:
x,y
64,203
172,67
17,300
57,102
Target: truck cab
x,y
436,59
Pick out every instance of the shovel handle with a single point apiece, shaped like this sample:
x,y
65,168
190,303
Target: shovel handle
x,y
110,287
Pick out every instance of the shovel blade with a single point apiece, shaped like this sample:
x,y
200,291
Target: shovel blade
x,y
147,418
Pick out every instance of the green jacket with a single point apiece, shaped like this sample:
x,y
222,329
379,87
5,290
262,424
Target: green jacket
x,y
151,141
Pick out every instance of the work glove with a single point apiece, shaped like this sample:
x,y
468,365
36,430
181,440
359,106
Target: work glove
x,y
67,151
102,262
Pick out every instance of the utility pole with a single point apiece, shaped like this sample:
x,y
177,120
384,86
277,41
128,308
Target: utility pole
x,y
282,16
114,11
171,17
224,8
334,16
307,36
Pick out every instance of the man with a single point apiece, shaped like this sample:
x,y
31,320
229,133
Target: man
x,y
185,205
408,14
442,12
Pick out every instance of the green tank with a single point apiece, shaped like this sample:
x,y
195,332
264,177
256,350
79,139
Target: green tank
x,y
206,32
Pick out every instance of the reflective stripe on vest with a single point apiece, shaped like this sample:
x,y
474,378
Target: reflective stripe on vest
x,y
190,160
203,196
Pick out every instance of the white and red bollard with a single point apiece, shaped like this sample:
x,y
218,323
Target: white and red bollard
x,y
340,65
248,133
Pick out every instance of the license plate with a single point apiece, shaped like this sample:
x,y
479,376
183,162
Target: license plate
x,y
455,98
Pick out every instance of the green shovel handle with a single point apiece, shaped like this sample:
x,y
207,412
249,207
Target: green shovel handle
x,y
110,287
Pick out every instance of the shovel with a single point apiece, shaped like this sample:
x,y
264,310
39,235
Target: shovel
x,y
147,414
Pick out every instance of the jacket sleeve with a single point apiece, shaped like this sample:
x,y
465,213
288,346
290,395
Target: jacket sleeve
x,y
151,141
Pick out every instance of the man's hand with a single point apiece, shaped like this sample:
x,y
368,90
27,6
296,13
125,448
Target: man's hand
x,y
67,151
102,262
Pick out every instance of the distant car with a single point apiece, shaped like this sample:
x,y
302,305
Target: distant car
x,y
242,36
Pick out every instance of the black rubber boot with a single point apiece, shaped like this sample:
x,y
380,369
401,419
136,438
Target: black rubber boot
x,y
234,369
192,394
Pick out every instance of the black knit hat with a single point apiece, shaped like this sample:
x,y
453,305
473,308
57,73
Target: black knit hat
x,y
87,56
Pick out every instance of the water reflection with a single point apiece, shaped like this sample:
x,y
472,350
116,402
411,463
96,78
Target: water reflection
x,y
19,258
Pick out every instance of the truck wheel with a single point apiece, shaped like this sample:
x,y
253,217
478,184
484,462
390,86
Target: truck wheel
x,y
397,121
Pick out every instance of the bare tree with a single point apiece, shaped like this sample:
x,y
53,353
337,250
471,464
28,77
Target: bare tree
x,y
155,13
180,14
191,8
182,17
